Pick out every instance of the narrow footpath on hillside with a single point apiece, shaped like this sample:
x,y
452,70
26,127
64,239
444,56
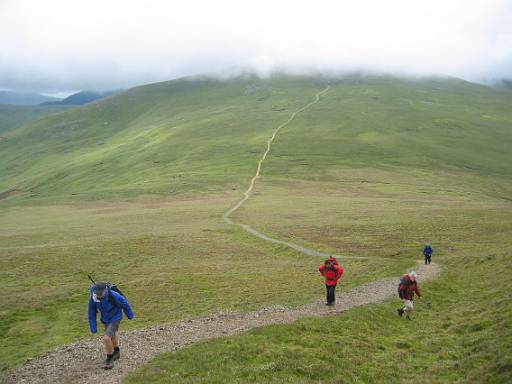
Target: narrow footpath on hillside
x,y
80,362
248,192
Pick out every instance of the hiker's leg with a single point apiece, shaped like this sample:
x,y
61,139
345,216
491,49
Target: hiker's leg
x,y
107,341
110,338
408,308
326,293
115,340
333,293
330,294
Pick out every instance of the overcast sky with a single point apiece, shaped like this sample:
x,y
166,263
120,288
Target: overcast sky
x,y
60,45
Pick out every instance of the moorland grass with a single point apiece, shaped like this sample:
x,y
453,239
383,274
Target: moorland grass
x,y
14,116
461,333
173,258
132,188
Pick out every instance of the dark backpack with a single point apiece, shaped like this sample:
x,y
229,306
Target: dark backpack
x,y
111,298
330,265
111,287
405,282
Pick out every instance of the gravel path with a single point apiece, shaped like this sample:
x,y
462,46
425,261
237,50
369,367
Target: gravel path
x,y
80,362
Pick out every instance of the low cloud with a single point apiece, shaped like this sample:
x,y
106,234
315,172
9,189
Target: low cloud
x,y
97,44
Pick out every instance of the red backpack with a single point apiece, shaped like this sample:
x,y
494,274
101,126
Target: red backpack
x,y
405,283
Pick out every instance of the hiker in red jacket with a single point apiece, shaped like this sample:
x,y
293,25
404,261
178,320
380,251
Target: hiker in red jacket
x,y
332,272
406,289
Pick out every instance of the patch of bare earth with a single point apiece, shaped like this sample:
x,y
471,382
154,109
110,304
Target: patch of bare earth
x,y
6,194
81,362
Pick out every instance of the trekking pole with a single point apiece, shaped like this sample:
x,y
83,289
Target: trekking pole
x,y
90,278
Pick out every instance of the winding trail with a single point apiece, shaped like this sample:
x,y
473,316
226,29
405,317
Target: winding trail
x,y
80,363
248,192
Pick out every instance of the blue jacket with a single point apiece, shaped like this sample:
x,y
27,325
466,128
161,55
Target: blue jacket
x,y
427,251
108,311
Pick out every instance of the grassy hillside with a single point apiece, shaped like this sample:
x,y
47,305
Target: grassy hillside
x,y
133,188
165,138
462,334
205,135
12,116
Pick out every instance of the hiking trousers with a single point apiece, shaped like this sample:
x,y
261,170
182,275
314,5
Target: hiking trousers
x,y
331,297
427,259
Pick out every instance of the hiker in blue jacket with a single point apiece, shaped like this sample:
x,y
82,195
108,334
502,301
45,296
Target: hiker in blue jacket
x,y
427,252
110,305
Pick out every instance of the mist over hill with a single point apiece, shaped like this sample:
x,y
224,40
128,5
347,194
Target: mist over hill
x,y
24,98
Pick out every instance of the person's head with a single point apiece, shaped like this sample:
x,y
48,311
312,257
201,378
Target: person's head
x,y
429,244
413,276
98,290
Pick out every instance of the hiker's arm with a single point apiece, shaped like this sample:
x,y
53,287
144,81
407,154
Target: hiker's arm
x,y
341,271
126,306
92,316
321,269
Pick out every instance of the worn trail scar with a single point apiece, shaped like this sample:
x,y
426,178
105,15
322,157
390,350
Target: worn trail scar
x,y
248,192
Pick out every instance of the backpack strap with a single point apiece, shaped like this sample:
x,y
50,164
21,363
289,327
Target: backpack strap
x,y
111,299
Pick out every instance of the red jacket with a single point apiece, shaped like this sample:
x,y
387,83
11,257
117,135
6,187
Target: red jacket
x,y
331,275
407,287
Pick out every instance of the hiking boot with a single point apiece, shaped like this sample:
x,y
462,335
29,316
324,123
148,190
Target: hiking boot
x,y
109,363
408,318
116,355
329,304
400,311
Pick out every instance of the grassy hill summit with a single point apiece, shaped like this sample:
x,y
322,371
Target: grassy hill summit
x,y
378,167
198,134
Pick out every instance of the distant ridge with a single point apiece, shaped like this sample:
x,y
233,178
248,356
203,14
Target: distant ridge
x,y
81,98
24,98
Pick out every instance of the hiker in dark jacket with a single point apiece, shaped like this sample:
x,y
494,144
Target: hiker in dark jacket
x,y
332,273
427,253
406,289
110,305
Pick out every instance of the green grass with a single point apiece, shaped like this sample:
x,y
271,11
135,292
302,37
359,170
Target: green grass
x,y
175,259
163,139
463,336
132,188
12,116
205,135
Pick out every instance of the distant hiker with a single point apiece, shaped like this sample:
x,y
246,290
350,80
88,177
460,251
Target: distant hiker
x,y
406,289
427,252
111,304
332,272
